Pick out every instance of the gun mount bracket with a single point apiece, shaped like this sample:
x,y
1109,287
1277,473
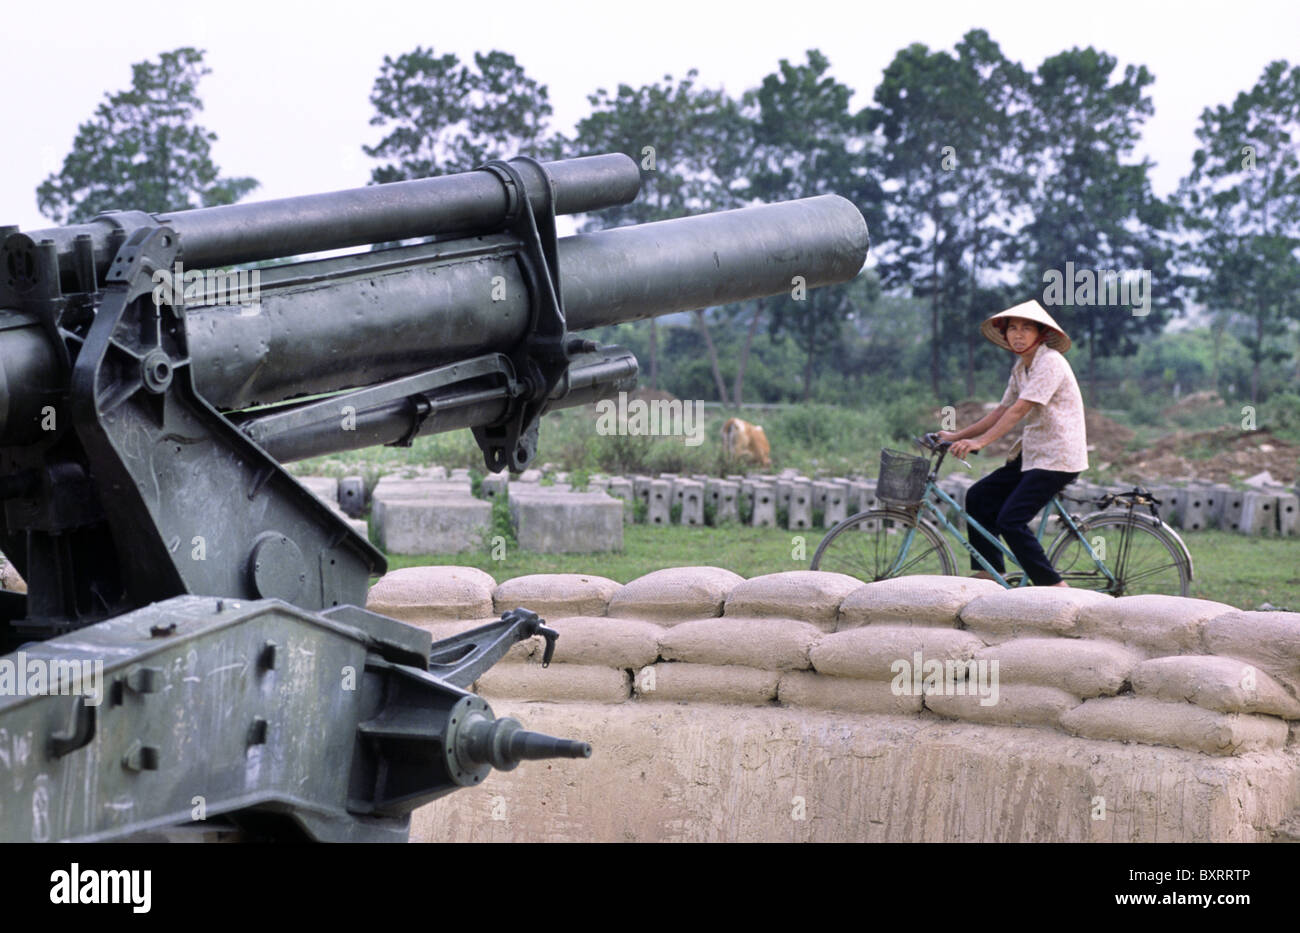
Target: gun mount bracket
x,y
541,358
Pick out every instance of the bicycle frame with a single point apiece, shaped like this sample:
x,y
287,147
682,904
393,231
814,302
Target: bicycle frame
x,y
927,503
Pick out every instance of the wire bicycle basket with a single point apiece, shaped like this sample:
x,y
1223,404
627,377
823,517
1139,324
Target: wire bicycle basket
x,y
902,478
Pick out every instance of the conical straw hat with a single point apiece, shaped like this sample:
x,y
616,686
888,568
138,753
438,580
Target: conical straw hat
x,y
1030,310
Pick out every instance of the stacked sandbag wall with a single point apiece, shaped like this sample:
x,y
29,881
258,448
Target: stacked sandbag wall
x,y
807,705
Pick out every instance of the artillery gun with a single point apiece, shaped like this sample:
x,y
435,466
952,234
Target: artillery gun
x,y
218,605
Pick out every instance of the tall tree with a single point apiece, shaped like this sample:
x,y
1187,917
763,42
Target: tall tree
x,y
441,115
989,178
808,141
142,149
1242,204
1093,208
688,141
921,103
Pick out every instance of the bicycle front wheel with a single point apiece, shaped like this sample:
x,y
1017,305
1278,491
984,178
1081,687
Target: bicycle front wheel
x,y
1141,558
884,543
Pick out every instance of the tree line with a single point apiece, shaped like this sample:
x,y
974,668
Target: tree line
x,y
980,180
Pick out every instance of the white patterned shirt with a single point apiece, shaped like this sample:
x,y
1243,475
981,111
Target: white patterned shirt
x,y
1055,436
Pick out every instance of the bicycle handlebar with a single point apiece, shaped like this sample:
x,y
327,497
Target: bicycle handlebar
x,y
930,441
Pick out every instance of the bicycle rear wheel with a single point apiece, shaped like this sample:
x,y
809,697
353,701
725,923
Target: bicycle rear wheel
x,y
877,545
1140,556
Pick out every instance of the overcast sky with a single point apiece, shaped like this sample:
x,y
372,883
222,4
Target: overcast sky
x,y
288,93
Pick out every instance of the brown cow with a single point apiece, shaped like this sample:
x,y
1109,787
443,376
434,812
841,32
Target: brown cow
x,y
747,441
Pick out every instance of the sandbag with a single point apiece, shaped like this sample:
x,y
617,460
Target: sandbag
x,y
425,594
768,644
1027,611
611,642
531,681
557,594
808,595
1268,639
1158,624
844,694
675,594
705,683
879,652
923,599
1181,725
1081,667
1224,684
1012,705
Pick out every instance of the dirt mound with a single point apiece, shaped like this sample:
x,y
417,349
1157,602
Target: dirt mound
x,y
1219,456
1195,402
1107,438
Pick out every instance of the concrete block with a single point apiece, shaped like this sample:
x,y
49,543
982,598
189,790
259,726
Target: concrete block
x,y
763,513
444,525
800,508
1288,514
746,495
1258,514
621,488
393,488
861,495
660,500
1171,500
641,488
352,496
1216,497
495,485
566,523
725,501
1233,501
836,504
1194,517
782,487
690,494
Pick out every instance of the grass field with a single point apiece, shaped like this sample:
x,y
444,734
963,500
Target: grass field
x,y
1234,569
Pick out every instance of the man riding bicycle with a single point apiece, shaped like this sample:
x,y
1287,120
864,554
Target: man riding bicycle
x,y
1053,449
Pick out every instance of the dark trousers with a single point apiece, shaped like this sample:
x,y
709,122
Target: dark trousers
x,y
1004,503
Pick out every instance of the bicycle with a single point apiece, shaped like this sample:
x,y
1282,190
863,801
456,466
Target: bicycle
x,y
904,537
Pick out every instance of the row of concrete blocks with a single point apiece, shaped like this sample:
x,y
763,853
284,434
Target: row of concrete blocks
x,y
762,498
439,515
1267,511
